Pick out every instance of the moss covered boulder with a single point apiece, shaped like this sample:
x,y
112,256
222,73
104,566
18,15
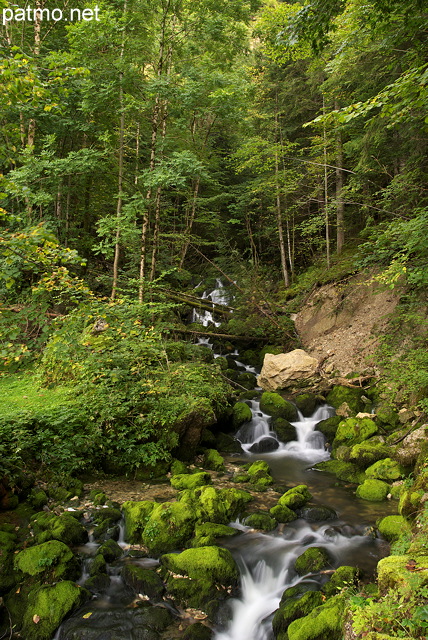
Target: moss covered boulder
x,y
52,560
386,469
274,405
169,526
190,480
48,606
410,502
317,513
346,471
393,527
343,577
367,453
136,516
65,528
209,504
213,460
296,497
312,560
339,395
372,490
283,514
260,520
8,578
284,430
323,623
144,581
306,403
328,427
260,471
295,608
241,413
197,631
407,573
207,533
353,431
203,563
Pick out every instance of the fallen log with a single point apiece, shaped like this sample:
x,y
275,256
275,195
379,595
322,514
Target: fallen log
x,y
229,336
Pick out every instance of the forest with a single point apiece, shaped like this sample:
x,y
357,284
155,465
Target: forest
x,y
150,149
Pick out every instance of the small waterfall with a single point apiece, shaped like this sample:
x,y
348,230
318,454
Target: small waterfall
x,y
217,296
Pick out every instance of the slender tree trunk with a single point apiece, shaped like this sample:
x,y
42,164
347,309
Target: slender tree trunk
x,y
67,212
284,268
190,221
327,225
251,239
120,167
340,203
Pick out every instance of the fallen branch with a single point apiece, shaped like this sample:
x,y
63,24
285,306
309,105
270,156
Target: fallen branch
x,y
221,335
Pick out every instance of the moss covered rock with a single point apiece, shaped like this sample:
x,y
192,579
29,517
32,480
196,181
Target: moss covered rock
x,y
262,521
372,490
53,560
353,431
197,631
65,528
259,470
296,497
49,605
328,427
393,572
323,623
312,560
281,513
284,430
367,453
207,533
209,504
295,608
317,513
247,380
346,471
214,564
169,526
110,551
144,581
178,467
306,403
241,413
343,577
410,502
213,460
8,577
339,394
386,469
190,480
195,594
393,527
274,405
136,517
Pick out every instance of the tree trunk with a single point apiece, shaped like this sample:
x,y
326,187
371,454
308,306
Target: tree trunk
x,y
340,204
284,269
189,222
327,225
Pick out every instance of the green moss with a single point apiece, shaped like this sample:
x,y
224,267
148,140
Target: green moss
x,y
386,469
190,480
274,405
207,533
247,380
329,427
393,527
169,526
284,430
48,526
8,577
338,395
410,502
144,581
372,490
281,513
295,497
346,471
353,431
393,573
241,413
197,631
210,504
213,460
203,563
262,521
178,467
196,594
52,559
387,417
260,471
343,577
51,604
306,403
295,608
241,476
312,560
367,453
98,565
136,517
37,499
110,550
323,623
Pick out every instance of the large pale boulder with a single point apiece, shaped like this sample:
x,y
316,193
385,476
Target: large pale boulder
x,y
286,369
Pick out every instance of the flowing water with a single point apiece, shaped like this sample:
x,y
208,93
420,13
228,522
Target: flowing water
x,y
266,561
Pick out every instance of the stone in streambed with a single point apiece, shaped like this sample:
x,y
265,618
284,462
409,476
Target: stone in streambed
x,y
283,514
286,369
344,576
262,521
346,471
284,430
144,581
213,460
136,515
209,504
190,480
49,605
197,631
353,431
325,621
372,490
247,380
274,405
393,527
386,469
317,513
203,563
296,497
207,533
349,395
368,452
312,560
65,528
52,560
259,470
170,526
241,413
306,403
264,445
329,426
293,609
